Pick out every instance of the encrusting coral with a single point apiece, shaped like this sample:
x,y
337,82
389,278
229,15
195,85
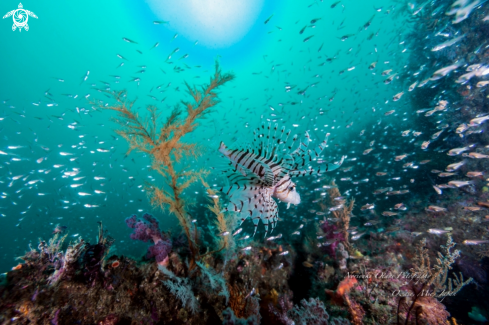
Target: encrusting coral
x,y
165,146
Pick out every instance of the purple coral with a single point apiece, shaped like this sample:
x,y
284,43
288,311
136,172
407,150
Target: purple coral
x,y
148,229
332,234
160,251
144,230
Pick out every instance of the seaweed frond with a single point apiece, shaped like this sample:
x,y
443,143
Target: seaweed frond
x,y
165,146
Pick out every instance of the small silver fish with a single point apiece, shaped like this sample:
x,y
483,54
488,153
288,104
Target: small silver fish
x,y
437,231
252,293
129,40
447,43
474,242
437,189
357,236
275,237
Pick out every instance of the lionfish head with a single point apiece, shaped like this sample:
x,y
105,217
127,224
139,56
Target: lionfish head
x,y
287,192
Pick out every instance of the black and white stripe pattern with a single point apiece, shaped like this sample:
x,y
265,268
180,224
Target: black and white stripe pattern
x,y
264,170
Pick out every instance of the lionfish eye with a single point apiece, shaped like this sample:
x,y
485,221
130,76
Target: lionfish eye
x,y
291,188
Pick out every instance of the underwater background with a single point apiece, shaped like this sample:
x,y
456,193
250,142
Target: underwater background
x,y
396,84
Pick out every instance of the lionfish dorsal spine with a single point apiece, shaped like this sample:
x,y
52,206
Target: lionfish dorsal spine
x,y
294,139
279,140
303,145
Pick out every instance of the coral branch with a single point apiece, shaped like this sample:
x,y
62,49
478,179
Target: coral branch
x,y
343,214
164,144
438,275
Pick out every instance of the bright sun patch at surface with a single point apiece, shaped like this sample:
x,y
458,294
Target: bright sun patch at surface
x,y
213,23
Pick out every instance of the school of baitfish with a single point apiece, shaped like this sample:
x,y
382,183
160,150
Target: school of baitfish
x,y
371,123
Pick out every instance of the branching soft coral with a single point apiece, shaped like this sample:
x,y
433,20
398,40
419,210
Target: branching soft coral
x,y
343,213
438,275
164,144
217,210
421,302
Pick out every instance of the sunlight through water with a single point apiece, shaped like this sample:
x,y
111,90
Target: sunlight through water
x,y
213,23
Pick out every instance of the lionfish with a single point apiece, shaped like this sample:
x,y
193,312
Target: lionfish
x,y
264,171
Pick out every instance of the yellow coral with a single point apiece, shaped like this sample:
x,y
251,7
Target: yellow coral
x,y
217,210
272,296
357,253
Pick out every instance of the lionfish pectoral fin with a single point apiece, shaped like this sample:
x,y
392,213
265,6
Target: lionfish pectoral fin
x,y
266,229
288,205
268,176
255,224
241,170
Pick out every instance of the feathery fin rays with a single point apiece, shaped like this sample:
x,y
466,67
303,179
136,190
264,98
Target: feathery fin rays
x,y
264,170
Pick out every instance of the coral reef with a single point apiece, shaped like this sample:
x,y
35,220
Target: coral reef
x,y
93,287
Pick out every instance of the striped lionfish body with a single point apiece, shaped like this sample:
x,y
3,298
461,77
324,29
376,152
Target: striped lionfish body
x,y
265,170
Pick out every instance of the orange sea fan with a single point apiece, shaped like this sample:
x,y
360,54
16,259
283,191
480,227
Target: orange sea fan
x,y
337,297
